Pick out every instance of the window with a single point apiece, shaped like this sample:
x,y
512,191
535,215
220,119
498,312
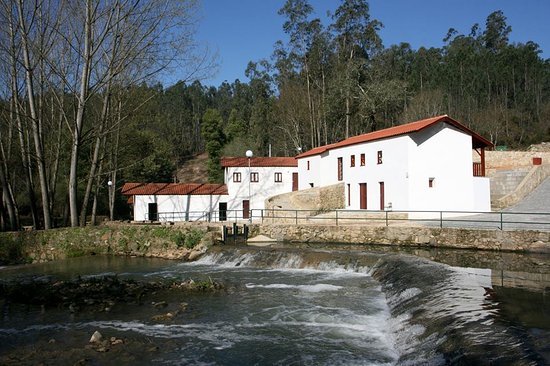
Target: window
x,y
380,157
308,165
352,161
236,177
349,195
362,159
254,177
278,177
431,182
340,169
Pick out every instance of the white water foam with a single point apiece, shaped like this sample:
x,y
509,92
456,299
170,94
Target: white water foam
x,y
320,287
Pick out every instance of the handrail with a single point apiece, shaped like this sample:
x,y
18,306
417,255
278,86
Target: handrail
x,y
463,219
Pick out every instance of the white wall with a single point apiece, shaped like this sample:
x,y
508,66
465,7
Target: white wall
x,y
307,178
482,194
189,207
443,153
259,191
392,172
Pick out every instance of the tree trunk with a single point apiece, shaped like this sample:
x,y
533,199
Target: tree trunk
x,y
35,121
82,101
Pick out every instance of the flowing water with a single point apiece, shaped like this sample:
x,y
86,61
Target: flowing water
x,y
305,307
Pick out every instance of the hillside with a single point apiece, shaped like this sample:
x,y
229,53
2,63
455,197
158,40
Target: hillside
x,y
194,170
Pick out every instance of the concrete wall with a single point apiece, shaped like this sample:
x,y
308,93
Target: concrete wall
x,y
532,180
521,240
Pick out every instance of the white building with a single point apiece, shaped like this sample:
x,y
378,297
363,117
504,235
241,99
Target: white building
x,y
249,186
246,188
421,166
177,201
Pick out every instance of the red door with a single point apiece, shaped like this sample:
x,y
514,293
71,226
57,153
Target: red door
x,y
363,196
381,196
246,209
294,182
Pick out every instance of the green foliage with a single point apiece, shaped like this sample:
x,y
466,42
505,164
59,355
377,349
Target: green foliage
x,y
10,248
214,137
193,238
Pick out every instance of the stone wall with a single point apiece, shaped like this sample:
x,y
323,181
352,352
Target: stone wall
x,y
521,240
317,199
511,160
161,241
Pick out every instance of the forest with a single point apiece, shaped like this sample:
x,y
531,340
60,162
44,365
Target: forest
x,y
82,111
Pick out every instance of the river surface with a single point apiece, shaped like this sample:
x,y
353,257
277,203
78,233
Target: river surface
x,y
307,306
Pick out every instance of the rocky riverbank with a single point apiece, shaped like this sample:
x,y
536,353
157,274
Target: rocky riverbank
x,y
182,242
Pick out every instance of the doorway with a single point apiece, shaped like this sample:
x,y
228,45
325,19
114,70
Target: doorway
x,y
246,209
294,182
363,196
153,211
223,211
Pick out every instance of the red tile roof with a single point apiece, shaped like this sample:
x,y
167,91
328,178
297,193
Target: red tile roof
x,y
131,189
477,140
259,162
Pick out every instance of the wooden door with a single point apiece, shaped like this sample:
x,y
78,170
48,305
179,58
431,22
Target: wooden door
x,y
382,200
363,196
294,182
246,209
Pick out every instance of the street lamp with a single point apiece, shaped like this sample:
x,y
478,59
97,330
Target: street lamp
x,y
110,185
249,155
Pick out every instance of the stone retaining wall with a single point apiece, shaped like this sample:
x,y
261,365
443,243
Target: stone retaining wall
x,y
511,160
317,199
160,241
521,240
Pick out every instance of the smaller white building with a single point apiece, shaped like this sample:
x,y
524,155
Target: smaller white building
x,y
250,181
177,201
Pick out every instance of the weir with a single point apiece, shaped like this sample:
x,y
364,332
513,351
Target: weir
x,y
321,306
438,314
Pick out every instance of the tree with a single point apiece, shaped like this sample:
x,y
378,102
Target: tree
x,y
214,138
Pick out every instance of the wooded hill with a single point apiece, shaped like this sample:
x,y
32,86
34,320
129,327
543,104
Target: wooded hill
x,y
80,109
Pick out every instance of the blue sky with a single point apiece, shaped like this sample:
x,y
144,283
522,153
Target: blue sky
x,y
246,30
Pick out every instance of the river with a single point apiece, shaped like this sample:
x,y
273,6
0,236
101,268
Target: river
x,y
306,306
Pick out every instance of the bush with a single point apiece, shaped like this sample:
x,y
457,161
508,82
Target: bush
x,y
193,238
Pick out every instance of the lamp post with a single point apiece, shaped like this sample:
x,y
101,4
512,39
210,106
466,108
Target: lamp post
x,y
249,155
110,185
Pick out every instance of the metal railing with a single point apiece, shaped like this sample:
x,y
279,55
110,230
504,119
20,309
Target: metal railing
x,y
501,220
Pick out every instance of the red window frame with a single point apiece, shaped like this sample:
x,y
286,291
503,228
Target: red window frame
x,y
352,161
362,159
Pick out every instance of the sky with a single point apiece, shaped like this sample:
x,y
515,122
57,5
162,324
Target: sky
x,y
240,31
